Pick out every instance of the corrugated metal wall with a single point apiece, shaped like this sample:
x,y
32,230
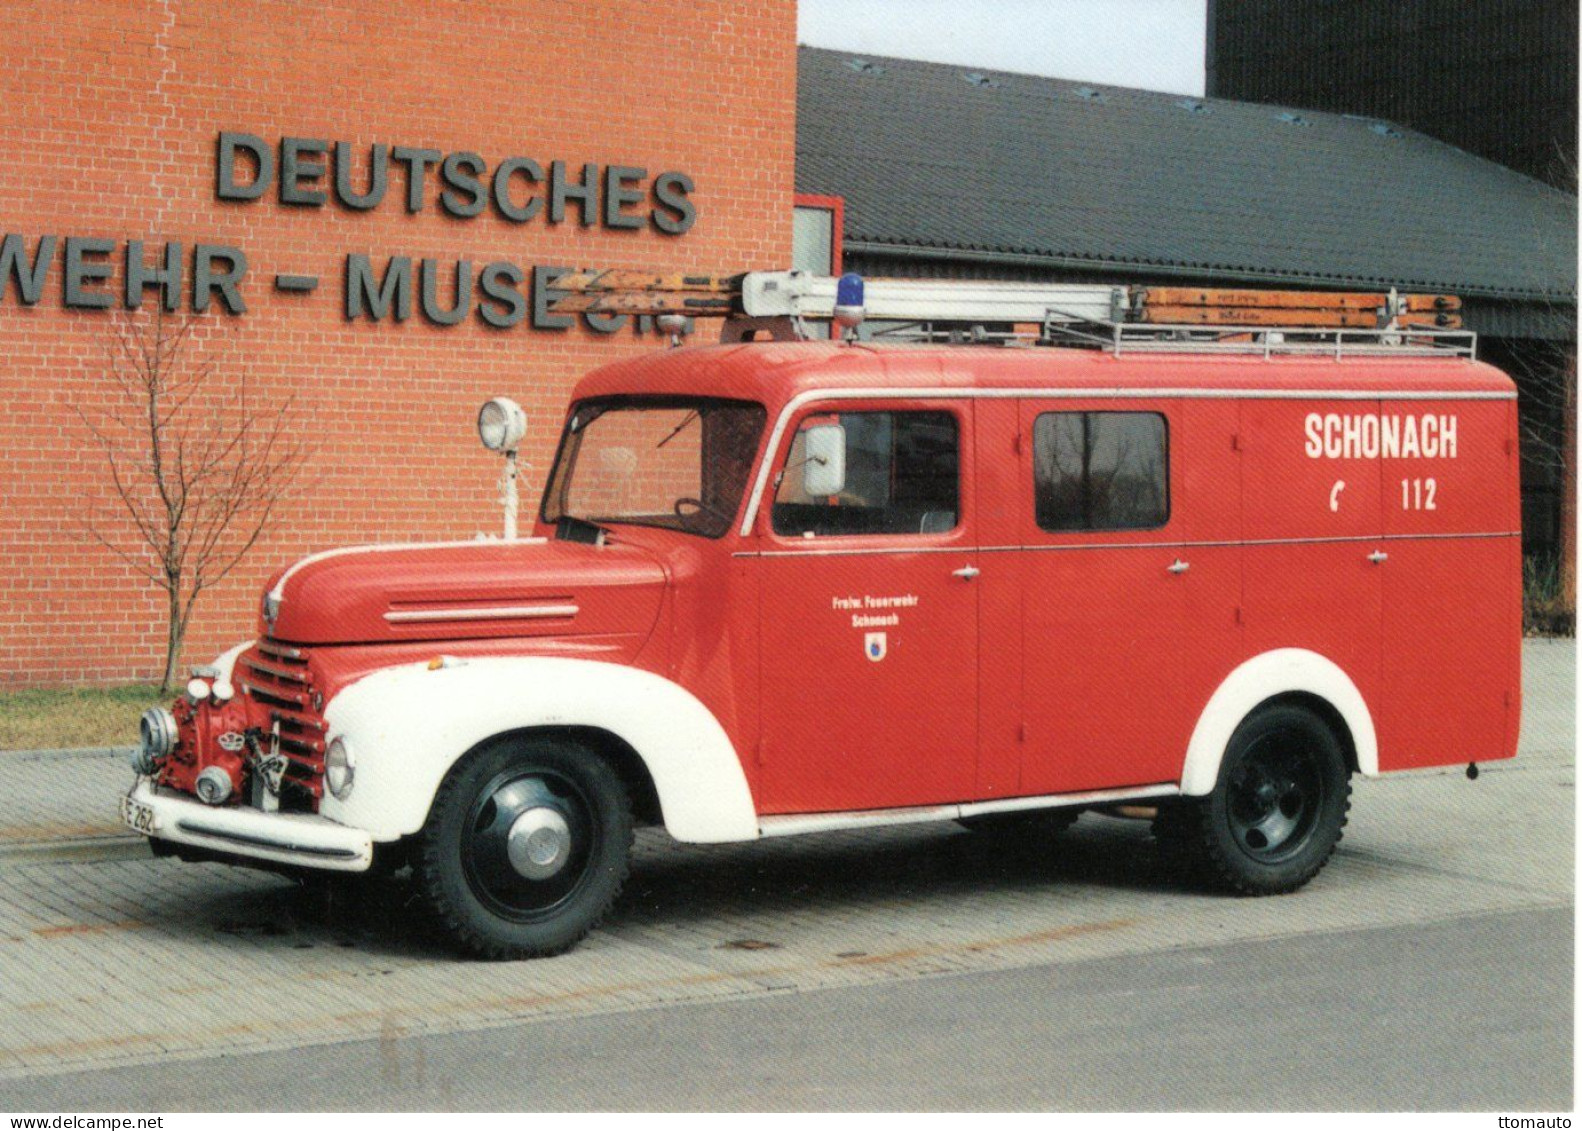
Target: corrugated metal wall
x,y
1497,78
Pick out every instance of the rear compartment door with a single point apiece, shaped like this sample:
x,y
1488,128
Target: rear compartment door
x,y
1103,565
1312,528
1450,607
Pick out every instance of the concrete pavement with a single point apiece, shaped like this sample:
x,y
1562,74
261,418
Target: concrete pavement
x,y
114,959
1472,1013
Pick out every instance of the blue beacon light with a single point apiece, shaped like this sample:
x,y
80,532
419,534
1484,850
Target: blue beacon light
x,y
849,304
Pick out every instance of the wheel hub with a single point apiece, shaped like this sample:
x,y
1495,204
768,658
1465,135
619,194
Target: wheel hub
x,y
538,843
527,842
1273,799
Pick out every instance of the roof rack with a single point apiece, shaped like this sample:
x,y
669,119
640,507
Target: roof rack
x,y
783,304
1123,338
1333,341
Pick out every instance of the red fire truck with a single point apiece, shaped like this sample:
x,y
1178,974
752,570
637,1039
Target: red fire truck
x,y
1046,549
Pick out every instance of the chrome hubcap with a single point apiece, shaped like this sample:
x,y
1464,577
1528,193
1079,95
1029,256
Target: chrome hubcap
x,y
539,843
528,841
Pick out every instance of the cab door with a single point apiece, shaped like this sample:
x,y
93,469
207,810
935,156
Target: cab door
x,y
869,611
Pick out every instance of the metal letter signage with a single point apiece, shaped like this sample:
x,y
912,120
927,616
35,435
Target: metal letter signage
x,y
304,174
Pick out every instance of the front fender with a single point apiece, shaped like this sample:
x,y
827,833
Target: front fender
x,y
408,725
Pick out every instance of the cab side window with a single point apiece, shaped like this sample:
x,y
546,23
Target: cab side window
x,y
1101,470
901,477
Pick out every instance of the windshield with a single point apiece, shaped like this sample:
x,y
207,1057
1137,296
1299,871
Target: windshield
x,y
676,463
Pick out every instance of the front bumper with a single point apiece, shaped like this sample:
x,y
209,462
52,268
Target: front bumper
x,y
302,839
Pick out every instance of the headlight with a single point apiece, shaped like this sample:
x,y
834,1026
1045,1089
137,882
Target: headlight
x,y
340,769
157,734
501,424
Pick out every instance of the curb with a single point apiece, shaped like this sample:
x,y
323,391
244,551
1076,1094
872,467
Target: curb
x,y
79,850
67,753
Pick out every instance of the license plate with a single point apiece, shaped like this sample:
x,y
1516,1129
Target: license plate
x,y
138,816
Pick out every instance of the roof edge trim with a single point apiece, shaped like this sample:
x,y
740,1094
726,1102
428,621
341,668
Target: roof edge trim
x,y
1146,267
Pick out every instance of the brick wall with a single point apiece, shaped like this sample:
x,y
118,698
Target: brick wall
x,y
112,111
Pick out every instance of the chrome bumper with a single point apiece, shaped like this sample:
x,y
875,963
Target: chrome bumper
x,y
303,839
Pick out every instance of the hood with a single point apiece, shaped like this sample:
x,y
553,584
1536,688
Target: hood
x,y
466,591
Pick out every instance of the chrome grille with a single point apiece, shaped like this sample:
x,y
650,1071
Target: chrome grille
x,y
277,676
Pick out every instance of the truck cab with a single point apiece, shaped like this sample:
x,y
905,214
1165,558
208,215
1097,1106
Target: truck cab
x,y
778,587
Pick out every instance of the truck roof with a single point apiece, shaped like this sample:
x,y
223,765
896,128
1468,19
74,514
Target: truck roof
x,y
774,372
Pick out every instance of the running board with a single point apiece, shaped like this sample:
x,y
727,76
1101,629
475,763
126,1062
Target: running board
x,y
793,824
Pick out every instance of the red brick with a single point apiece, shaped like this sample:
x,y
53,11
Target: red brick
x,y
111,123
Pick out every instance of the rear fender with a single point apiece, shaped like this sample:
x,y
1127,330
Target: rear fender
x,y
408,725
1283,671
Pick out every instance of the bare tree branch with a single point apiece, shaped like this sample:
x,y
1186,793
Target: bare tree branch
x,y
198,465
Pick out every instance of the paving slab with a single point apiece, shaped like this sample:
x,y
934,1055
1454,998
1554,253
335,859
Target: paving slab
x,y
116,961
61,795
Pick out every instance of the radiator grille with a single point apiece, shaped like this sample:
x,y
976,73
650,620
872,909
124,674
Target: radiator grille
x,y
277,677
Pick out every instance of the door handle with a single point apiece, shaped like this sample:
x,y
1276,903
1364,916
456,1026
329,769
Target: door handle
x,y
966,573
1378,557
1179,566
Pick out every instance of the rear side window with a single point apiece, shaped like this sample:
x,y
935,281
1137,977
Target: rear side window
x,y
901,477
1101,470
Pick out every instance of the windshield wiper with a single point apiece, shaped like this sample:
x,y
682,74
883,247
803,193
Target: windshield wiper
x,y
688,419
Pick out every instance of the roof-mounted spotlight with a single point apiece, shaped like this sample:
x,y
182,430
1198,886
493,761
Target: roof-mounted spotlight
x,y
673,324
501,424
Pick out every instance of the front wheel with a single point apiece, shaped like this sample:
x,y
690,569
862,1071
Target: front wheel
x,y
526,847
1277,809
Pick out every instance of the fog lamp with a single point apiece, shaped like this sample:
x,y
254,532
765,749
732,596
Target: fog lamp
x,y
340,769
501,424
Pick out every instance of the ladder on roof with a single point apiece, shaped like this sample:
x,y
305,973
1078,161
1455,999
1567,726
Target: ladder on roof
x,y
783,303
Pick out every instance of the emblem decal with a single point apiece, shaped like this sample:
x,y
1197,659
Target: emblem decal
x,y
232,740
875,645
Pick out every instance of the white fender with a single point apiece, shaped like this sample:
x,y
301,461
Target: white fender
x,y
1279,672
408,725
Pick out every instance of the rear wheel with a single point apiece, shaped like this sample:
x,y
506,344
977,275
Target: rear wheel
x,y
1276,812
526,847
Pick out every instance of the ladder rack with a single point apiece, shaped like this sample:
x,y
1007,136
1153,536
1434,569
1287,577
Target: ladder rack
x,y
1115,318
1333,341
1127,338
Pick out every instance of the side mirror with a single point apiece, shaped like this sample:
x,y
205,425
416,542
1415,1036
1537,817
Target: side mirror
x,y
824,450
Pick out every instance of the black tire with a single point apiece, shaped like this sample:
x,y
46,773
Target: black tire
x,y
540,892
1030,825
1277,810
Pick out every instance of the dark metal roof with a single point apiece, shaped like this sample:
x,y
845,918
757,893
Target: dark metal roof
x,y
990,165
